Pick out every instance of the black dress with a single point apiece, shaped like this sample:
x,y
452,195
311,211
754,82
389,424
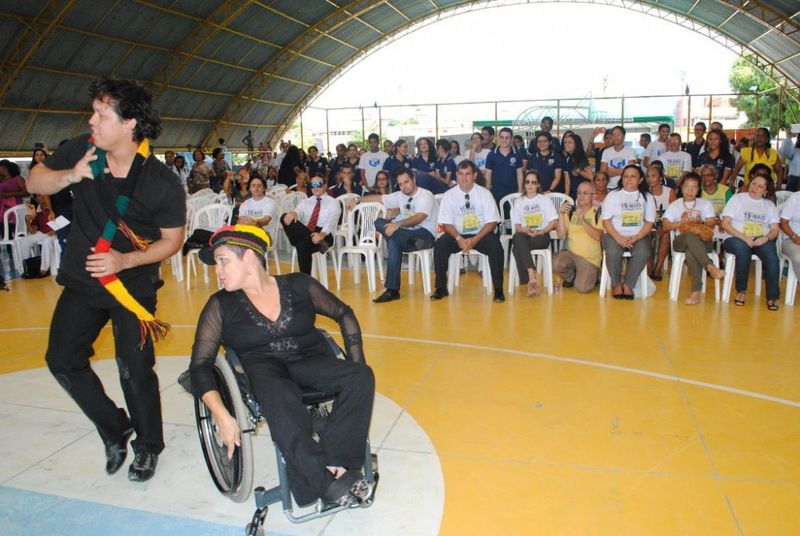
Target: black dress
x,y
283,356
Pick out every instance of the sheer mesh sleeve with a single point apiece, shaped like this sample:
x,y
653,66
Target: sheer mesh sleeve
x,y
325,303
207,340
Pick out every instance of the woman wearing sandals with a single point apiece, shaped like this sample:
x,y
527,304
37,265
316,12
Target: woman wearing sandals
x,y
750,222
629,214
533,217
694,219
269,322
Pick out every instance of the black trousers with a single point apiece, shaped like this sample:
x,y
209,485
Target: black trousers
x,y
75,326
300,237
278,387
489,245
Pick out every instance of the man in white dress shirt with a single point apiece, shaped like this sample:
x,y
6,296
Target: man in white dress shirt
x,y
311,225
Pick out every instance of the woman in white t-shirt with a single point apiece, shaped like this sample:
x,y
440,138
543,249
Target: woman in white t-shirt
x,y
790,224
629,214
690,217
750,222
533,217
259,210
474,151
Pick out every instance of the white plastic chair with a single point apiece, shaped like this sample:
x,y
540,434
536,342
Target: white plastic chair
x,y
319,265
454,270
423,259
272,229
368,243
544,266
210,218
344,232
781,197
791,285
13,231
506,227
278,188
558,200
678,260
642,288
286,203
730,275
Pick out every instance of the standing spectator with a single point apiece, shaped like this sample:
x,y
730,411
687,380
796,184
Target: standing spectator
x,y
598,148
545,125
388,147
12,188
444,167
475,152
311,225
657,147
169,160
200,176
697,145
290,166
503,168
397,161
546,163
353,158
519,144
316,163
336,164
469,215
576,168
425,159
181,171
39,154
676,163
616,157
717,153
579,264
791,153
759,153
221,169
221,146
372,161
487,138
455,152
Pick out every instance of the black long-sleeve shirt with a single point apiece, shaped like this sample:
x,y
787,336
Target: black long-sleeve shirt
x,y
231,317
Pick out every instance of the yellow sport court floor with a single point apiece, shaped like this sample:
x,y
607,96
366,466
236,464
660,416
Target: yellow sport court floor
x,y
564,414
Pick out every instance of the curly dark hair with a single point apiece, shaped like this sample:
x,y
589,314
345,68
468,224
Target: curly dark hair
x,y
130,101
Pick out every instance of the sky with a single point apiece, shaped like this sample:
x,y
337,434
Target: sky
x,y
535,51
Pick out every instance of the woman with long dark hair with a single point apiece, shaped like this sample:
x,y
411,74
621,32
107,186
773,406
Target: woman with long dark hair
x,y
576,164
718,153
629,214
291,165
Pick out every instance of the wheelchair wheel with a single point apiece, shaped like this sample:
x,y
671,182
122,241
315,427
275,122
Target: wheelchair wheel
x,y
234,477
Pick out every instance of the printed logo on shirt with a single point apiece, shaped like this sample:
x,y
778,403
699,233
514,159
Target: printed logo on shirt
x,y
374,163
617,163
512,160
551,161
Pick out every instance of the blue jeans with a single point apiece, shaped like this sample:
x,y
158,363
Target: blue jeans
x,y
400,241
768,254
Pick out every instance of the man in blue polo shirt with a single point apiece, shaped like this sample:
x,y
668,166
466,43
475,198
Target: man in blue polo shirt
x,y
547,162
503,167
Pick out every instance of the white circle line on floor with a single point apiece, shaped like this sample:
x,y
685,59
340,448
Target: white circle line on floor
x,y
549,357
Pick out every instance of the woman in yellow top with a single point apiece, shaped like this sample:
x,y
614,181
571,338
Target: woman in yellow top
x,y
759,153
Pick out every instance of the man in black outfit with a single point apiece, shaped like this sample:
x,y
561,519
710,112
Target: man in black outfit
x,y
110,268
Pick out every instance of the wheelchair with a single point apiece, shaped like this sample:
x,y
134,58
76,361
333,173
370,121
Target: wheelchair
x,y
234,477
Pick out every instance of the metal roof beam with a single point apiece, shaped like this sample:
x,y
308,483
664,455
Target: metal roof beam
x,y
39,30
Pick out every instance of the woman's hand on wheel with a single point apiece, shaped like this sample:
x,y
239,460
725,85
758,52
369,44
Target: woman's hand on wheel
x,y
229,432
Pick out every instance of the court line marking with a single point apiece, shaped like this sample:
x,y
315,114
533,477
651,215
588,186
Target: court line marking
x,y
549,357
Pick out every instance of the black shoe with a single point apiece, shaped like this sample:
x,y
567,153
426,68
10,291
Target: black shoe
x,y
117,452
3,285
568,284
499,297
387,296
439,293
143,466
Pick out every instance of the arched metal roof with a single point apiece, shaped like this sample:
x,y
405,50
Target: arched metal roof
x,y
219,68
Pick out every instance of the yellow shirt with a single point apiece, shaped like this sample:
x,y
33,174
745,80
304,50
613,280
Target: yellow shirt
x,y
579,242
751,158
719,198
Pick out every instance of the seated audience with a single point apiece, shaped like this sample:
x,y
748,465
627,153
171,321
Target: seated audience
x,y
346,184
39,233
750,221
382,185
712,191
259,210
600,181
579,265
790,225
311,225
470,217
409,225
629,214
693,219
662,197
533,217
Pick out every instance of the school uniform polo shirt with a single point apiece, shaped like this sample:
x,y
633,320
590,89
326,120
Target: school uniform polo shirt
x,y
546,165
392,164
504,172
420,164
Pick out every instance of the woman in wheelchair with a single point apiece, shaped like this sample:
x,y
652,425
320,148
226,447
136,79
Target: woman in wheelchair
x,y
269,322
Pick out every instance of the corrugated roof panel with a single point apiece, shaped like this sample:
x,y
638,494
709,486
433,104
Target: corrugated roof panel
x,y
215,105
743,28
253,21
792,68
681,6
52,128
775,45
95,55
356,33
309,12
328,50
87,14
191,133
181,103
69,93
130,20
384,18
227,47
280,31
712,12
786,8
414,9
142,64
170,32
56,51
194,8
259,56
29,9
11,125
299,68
31,89
10,31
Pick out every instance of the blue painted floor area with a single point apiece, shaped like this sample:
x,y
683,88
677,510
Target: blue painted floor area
x,y
25,512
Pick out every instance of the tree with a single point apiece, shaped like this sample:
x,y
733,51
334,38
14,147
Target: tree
x,y
762,109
